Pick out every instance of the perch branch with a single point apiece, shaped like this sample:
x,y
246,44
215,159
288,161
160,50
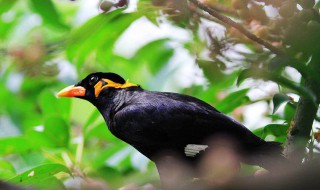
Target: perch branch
x,y
222,9
206,16
238,26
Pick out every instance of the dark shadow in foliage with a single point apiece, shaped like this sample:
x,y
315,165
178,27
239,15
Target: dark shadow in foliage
x,y
7,186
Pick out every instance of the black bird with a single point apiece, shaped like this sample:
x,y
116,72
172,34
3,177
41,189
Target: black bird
x,y
164,122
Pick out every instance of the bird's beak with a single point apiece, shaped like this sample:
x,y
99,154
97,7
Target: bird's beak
x,y
72,91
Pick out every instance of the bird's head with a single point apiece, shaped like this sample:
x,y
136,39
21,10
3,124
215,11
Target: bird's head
x,y
90,87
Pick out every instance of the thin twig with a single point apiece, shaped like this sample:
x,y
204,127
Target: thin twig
x,y
206,16
238,26
222,9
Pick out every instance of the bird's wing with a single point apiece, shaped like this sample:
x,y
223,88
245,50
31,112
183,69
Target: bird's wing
x,y
178,120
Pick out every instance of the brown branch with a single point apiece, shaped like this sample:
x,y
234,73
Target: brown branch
x,y
238,26
203,15
222,9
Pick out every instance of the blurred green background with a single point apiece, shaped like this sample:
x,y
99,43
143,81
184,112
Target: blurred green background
x,y
46,45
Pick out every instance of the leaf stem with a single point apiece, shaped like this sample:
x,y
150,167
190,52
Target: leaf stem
x,y
79,150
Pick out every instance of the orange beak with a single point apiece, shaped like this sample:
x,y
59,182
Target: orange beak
x,y
72,91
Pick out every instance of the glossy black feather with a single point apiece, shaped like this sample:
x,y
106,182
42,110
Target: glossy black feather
x,y
156,122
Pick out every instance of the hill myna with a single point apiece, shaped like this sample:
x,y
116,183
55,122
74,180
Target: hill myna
x,y
164,123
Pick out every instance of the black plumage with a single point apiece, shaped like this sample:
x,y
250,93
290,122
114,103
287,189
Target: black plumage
x,y
163,122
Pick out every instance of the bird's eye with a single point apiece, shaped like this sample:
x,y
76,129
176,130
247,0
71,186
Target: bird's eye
x,y
93,80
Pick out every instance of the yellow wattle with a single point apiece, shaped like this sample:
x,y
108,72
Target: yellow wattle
x,y
99,86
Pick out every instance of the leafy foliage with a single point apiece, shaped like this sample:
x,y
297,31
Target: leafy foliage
x,y
46,45
41,176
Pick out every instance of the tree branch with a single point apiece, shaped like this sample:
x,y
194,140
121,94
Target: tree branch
x,y
306,112
238,26
221,8
299,133
206,16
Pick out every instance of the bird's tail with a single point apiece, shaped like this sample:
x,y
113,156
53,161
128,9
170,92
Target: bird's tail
x,y
269,155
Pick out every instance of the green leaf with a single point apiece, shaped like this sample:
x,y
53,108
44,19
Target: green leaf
x,y
259,132
48,103
53,106
99,33
121,23
294,86
39,139
32,159
264,75
48,12
150,11
279,62
42,176
154,54
278,100
6,5
79,40
6,170
212,69
54,133
289,111
93,117
121,159
6,28
277,130
233,100
100,160
91,27
57,130
244,74
12,145
100,131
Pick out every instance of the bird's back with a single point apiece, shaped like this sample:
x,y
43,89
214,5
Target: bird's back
x,y
160,121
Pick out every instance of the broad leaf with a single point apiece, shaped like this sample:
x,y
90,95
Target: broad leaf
x,y
277,130
233,100
121,159
12,145
57,130
42,176
100,160
289,111
48,12
278,100
264,75
279,62
93,117
6,5
150,11
52,106
212,69
54,133
99,131
244,74
155,54
99,33
6,170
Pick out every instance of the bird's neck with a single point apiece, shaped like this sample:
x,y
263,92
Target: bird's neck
x,y
110,102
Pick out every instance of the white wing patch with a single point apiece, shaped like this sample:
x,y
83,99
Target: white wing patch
x,y
192,150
